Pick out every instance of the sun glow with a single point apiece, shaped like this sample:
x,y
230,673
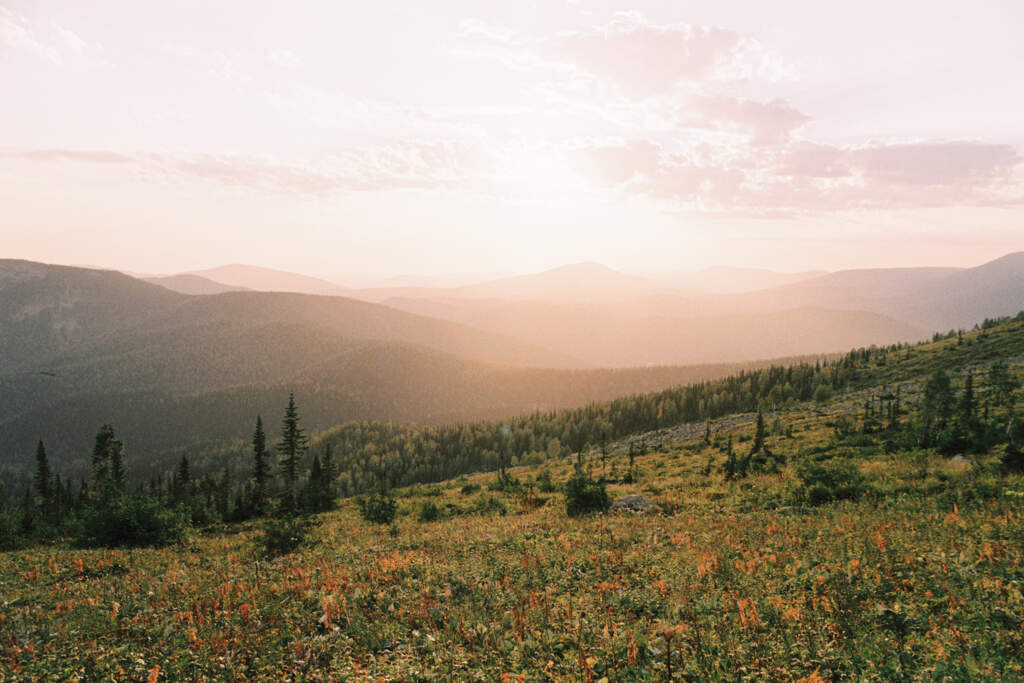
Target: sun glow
x,y
539,173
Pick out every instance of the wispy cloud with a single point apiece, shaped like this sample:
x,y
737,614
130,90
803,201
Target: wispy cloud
x,y
810,178
395,165
51,42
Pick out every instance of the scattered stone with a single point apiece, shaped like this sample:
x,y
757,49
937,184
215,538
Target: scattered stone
x,y
959,462
638,505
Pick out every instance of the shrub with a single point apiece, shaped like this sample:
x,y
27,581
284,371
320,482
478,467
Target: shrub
x,y
486,505
469,489
377,508
834,480
132,521
282,536
1012,459
428,511
583,495
545,484
11,537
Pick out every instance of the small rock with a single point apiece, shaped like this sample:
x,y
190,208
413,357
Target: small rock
x,y
633,503
959,462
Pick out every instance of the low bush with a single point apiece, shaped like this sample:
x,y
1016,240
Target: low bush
x,y
282,536
428,511
584,495
826,481
132,521
377,508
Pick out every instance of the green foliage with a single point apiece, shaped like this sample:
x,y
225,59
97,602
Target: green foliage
x,y
830,480
544,481
261,472
282,535
584,495
428,511
377,508
292,447
131,521
489,505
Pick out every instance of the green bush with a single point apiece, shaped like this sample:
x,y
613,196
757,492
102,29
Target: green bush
x,y
282,536
132,521
584,495
486,505
545,484
469,489
832,480
11,537
377,508
428,511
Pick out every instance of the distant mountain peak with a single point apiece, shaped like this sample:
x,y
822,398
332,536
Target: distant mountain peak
x,y
263,279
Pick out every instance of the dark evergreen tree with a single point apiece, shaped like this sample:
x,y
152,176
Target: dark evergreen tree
x,y
730,468
261,468
107,464
223,494
43,482
968,430
293,445
936,408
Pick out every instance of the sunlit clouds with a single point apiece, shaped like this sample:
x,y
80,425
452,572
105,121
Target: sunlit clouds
x,y
404,139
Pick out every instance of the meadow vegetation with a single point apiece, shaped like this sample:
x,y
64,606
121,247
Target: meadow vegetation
x,y
873,533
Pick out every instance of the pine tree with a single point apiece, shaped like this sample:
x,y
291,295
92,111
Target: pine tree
x,y
224,494
261,468
967,433
182,484
759,433
107,463
43,482
730,466
293,445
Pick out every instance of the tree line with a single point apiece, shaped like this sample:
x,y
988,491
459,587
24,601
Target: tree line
x,y
361,457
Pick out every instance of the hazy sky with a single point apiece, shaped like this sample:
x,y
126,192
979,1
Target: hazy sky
x,y
346,139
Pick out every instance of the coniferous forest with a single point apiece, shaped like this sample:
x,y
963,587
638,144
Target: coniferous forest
x,y
297,476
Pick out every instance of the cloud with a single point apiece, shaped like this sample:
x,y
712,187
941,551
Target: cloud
x,y
765,123
640,58
807,177
286,59
224,65
386,166
55,44
935,163
94,156
647,59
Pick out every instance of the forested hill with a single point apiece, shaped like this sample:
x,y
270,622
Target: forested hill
x,y
375,455
188,374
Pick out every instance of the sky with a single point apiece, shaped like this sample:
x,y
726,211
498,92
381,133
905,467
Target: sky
x,y
464,138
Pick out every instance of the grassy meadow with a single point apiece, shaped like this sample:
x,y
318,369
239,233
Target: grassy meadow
x,y
916,575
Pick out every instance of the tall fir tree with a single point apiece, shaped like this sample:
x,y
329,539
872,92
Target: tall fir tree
x,y
293,445
107,463
182,482
43,481
260,468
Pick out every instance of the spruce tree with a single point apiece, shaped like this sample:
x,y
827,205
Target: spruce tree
x,y
293,445
759,433
182,484
730,466
107,463
261,468
42,478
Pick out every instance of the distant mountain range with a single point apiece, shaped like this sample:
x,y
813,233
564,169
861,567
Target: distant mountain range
x,y
191,370
82,347
264,280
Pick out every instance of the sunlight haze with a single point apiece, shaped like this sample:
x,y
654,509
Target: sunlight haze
x,y
358,141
